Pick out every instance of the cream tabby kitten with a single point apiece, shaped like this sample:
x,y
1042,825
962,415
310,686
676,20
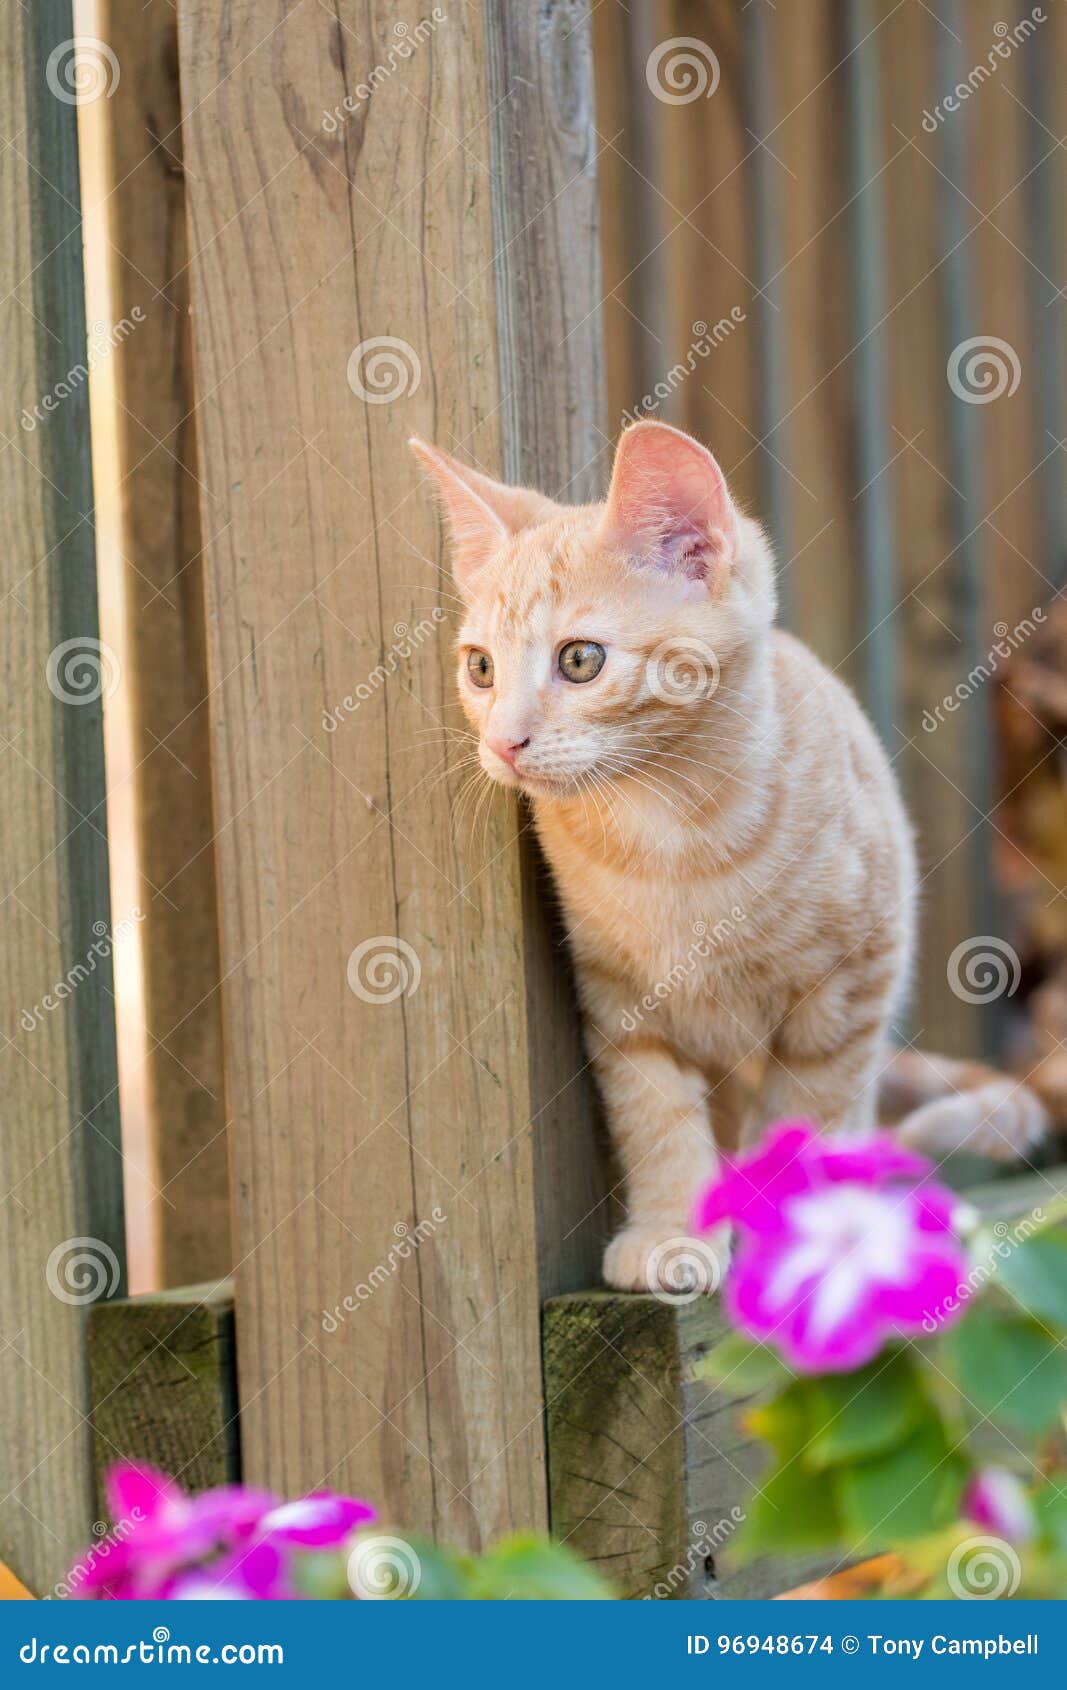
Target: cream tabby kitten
x,y
734,860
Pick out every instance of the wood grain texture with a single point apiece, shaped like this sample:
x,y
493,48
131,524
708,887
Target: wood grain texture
x,y
824,572
152,472
413,1145
929,634
633,210
163,1385
60,1164
649,1470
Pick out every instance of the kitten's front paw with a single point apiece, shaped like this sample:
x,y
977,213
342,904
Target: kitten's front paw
x,y
645,1257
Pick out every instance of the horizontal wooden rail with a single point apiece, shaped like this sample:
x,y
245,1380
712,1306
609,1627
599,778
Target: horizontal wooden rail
x,y
162,1385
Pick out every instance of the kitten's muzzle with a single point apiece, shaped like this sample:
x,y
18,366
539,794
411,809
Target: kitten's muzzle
x,y
507,750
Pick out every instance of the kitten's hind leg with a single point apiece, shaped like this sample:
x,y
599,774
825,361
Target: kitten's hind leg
x,y
660,1123
826,1058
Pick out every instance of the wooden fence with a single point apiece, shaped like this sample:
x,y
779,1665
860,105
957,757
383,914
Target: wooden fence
x,y
325,232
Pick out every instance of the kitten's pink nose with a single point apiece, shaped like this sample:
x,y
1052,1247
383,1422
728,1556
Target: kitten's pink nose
x,y
506,749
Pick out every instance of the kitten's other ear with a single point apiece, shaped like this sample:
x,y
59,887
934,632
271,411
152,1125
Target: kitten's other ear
x,y
482,513
669,502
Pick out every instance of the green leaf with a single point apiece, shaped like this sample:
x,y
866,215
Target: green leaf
x,y
742,1368
794,1508
786,1421
865,1413
1035,1272
906,1493
444,1575
1050,1506
532,1569
1008,1368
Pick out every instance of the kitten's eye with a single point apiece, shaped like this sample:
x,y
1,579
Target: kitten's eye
x,y
581,660
480,668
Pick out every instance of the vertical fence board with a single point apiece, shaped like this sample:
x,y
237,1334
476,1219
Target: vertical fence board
x,y
152,455
60,1163
815,300
632,207
929,637
383,1129
874,451
764,180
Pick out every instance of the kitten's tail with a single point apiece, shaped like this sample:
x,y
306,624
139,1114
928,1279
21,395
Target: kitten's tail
x,y
940,1104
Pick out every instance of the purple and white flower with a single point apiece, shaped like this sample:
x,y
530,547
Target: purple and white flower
x,y
844,1242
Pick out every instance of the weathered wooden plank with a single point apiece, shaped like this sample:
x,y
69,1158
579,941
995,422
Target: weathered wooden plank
x,y
384,1127
930,633
633,211
163,1385
61,1235
817,305
149,539
707,248
649,1471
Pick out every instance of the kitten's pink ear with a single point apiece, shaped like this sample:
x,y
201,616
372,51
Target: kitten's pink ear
x,y
669,502
482,513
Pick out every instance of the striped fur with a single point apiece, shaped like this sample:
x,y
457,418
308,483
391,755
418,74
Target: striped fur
x,y
733,857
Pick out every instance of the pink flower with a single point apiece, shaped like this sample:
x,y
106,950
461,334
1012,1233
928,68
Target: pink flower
x,y
319,1521
257,1573
235,1538
997,1500
841,1247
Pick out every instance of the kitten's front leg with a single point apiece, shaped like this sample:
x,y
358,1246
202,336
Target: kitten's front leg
x,y
661,1127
